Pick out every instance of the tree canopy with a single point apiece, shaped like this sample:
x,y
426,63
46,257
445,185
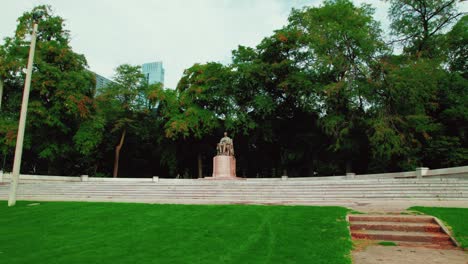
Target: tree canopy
x,y
322,95
61,93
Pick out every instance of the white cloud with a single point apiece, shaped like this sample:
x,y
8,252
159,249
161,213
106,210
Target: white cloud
x,y
178,32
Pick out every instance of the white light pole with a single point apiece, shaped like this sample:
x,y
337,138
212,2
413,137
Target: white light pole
x,y
22,121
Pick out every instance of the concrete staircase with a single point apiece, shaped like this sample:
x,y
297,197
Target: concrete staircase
x,y
271,191
423,230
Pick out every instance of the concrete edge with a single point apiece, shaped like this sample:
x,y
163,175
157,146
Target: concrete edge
x,y
349,224
447,231
420,173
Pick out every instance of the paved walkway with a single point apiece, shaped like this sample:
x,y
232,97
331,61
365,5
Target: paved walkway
x,y
398,206
376,254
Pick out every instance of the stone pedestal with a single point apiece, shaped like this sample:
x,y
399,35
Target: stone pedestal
x,y
224,167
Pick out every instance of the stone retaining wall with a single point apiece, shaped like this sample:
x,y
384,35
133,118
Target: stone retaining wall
x,y
454,172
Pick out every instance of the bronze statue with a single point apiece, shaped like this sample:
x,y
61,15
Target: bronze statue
x,y
225,146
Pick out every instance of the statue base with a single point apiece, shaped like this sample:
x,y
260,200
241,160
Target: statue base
x,y
224,168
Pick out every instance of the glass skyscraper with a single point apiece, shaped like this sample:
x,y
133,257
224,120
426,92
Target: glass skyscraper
x,y
154,72
101,81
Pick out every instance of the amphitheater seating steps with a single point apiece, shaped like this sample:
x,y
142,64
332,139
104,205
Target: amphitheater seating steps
x,y
246,191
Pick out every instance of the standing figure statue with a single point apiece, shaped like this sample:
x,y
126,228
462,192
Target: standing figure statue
x,y
225,146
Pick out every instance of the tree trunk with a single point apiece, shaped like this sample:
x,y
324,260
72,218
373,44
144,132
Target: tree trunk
x,y
117,154
96,167
200,166
349,166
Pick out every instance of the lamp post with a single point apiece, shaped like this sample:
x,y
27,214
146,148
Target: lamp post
x,y
24,108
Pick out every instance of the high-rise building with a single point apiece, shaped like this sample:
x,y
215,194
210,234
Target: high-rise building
x,y
101,81
154,72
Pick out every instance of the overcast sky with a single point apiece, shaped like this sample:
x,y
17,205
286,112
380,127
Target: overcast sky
x,y
177,32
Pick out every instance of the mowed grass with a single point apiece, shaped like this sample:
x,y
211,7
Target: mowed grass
x,y
456,218
77,232
387,243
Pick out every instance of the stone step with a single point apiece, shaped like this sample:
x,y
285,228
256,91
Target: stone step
x,y
427,237
453,189
249,183
212,200
391,218
28,189
399,228
395,226
440,245
252,197
255,184
344,191
303,188
195,188
370,191
208,199
183,201
251,194
246,191
232,190
242,194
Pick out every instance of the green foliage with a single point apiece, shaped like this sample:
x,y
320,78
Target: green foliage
x,y
128,95
329,69
343,41
182,233
8,129
457,42
200,100
387,243
445,151
320,96
407,104
127,87
453,100
122,106
419,23
89,135
342,38
385,140
61,91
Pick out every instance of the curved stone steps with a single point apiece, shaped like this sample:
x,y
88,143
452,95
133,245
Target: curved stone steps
x,y
245,191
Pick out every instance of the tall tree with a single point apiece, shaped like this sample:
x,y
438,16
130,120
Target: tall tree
x,y
60,99
121,102
419,23
405,100
343,41
198,107
457,47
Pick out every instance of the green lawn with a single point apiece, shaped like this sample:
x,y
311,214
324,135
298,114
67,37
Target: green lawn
x,y
72,232
456,218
